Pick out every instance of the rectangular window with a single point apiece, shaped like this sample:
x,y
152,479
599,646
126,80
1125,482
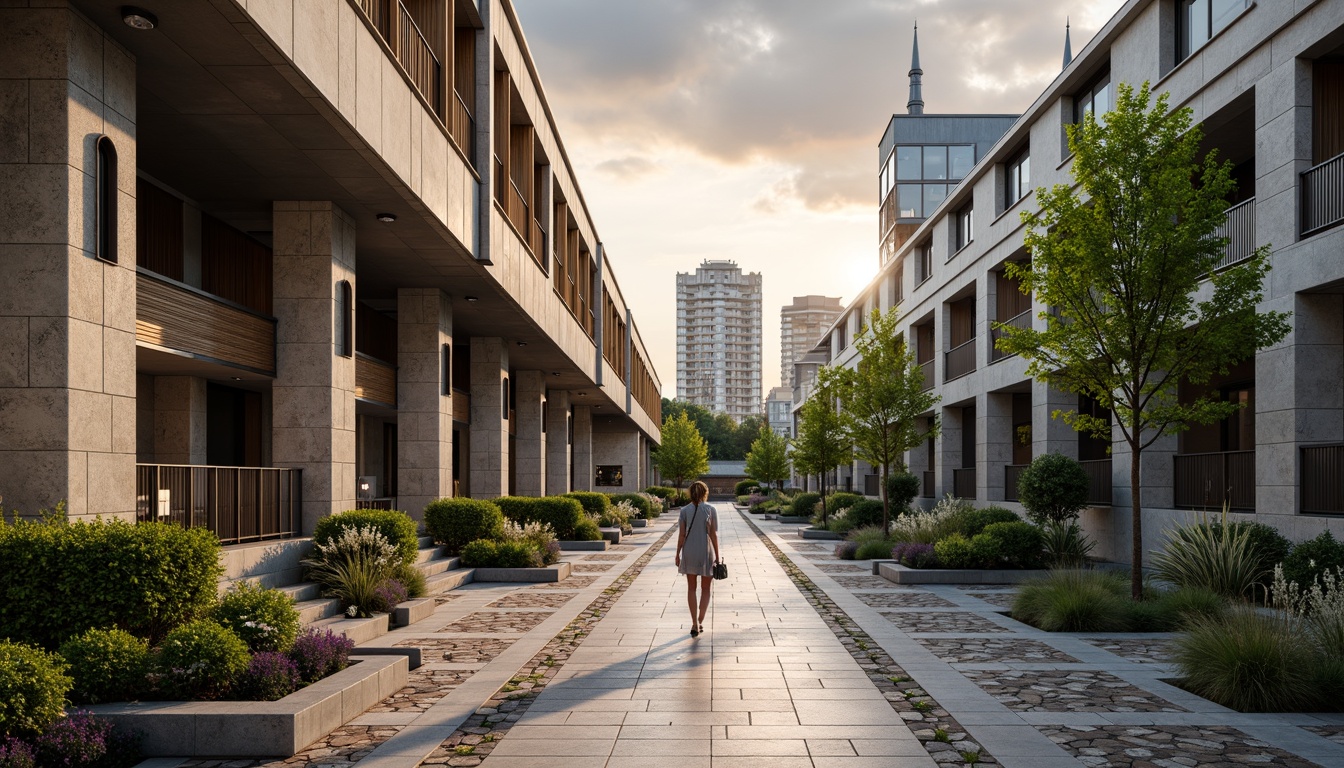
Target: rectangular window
x,y
965,226
909,163
926,261
1096,99
935,163
909,199
933,195
1199,20
1019,177
960,161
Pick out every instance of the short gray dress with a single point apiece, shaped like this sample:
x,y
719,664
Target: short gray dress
x,y
696,559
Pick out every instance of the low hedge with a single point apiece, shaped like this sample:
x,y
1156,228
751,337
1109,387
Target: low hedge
x,y
33,685
976,520
60,578
642,505
106,665
743,487
564,514
486,553
593,503
397,527
803,504
457,521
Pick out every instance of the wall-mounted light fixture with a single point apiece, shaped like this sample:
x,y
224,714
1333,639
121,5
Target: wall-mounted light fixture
x,y
386,218
138,18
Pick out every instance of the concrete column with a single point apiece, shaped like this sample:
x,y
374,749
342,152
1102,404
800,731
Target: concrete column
x,y
583,448
489,463
949,450
313,396
1282,149
67,319
1048,434
995,444
179,420
558,467
1299,400
424,402
530,434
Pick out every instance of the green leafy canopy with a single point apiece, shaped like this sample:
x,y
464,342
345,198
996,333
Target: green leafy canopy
x,y
821,444
683,454
768,459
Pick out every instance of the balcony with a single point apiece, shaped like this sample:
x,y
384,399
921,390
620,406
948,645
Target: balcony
x,y
237,504
1239,229
410,49
1098,481
375,380
927,368
170,315
963,483
462,126
960,360
1323,479
1011,474
1021,320
1215,480
1323,196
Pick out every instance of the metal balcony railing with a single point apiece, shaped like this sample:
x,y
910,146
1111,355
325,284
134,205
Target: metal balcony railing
x,y
1323,479
1011,474
1214,480
1239,229
927,368
238,504
928,486
1323,196
963,483
1020,320
960,361
1098,481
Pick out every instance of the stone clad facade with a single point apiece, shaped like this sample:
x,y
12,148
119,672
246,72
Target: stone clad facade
x,y
295,258
1265,84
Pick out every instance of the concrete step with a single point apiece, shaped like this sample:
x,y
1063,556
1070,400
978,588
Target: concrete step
x,y
317,609
428,553
301,591
358,630
449,580
435,567
425,541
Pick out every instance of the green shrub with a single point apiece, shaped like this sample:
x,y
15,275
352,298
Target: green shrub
x,y
563,513
663,492
986,552
843,499
1053,488
874,550
743,487
593,503
586,530
864,513
974,521
956,551
618,516
1018,543
902,488
200,660
487,553
947,517
639,501
412,578
1075,601
352,567
60,579
803,504
1310,559
264,618
1249,661
1266,542
396,527
456,521
33,686
1214,558
1064,545
106,665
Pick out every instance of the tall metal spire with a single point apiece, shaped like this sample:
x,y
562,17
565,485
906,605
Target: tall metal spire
x,y
1068,49
916,104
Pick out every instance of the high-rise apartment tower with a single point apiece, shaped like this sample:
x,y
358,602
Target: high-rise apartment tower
x,y
801,325
719,339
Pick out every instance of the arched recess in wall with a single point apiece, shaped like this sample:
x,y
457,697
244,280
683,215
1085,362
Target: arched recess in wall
x,y
105,184
345,321
446,369
504,397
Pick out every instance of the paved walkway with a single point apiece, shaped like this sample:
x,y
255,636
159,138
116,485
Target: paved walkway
x,y
807,661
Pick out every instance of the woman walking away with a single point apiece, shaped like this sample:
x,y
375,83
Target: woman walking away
x,y
699,529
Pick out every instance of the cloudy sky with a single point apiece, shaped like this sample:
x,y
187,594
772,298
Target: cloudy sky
x,y
748,129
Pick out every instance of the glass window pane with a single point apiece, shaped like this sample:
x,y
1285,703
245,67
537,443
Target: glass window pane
x,y
935,162
1197,18
961,160
908,199
1222,12
1102,100
933,195
908,163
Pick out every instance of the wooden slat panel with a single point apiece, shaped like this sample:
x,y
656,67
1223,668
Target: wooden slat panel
x,y
375,381
158,230
169,316
461,406
1327,84
234,266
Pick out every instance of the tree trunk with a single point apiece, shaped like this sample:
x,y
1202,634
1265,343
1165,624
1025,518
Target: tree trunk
x,y
821,483
1136,511
886,502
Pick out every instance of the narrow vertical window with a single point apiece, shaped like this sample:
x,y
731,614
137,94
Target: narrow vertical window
x,y
446,372
504,397
345,324
105,182
1018,177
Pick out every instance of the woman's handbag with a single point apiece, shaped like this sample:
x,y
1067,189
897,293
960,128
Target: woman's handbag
x,y
720,570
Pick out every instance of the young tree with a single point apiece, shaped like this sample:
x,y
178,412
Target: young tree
x,y
768,459
1122,261
882,398
683,454
821,444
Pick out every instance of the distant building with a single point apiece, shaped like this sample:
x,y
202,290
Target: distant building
x,y
719,339
801,324
779,410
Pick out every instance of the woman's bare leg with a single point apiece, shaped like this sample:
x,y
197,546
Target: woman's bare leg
x,y
690,597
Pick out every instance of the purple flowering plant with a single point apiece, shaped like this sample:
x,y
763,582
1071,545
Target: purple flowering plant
x,y
319,653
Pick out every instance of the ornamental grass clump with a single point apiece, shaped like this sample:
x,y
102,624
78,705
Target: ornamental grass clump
x,y
1249,660
352,566
1064,545
320,652
1075,601
869,541
264,618
847,550
1214,557
947,517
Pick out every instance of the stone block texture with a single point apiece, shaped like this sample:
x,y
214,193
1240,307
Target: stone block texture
x,y
424,402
